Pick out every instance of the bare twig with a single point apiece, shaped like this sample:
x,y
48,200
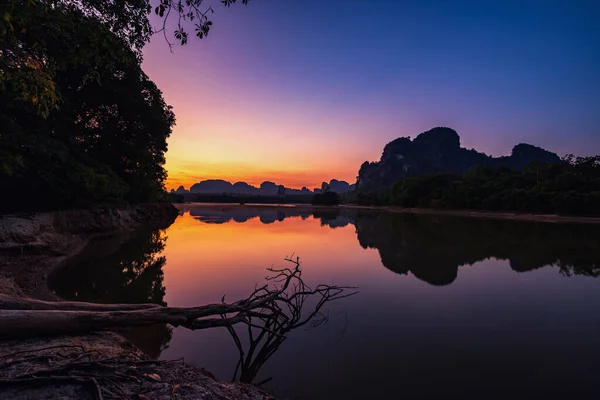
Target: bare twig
x,y
270,312
97,388
40,349
283,311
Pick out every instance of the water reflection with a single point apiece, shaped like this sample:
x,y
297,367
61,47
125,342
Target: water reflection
x,y
432,248
212,214
476,299
297,305
120,270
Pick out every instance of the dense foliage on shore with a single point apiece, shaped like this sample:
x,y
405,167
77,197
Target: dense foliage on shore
x,y
569,187
104,138
326,199
81,124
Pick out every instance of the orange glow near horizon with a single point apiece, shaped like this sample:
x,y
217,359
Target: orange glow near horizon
x,y
236,128
187,174
208,144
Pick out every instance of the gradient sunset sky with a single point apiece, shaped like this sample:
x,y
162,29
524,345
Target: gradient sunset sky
x,y
300,92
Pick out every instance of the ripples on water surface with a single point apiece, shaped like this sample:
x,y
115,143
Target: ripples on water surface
x,y
447,306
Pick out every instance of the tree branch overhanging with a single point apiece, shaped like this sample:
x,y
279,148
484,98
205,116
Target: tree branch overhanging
x,y
187,12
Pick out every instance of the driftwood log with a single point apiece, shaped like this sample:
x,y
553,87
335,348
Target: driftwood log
x,y
284,290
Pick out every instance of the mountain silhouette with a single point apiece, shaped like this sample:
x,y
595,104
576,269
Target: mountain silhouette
x,y
212,186
267,188
435,151
180,190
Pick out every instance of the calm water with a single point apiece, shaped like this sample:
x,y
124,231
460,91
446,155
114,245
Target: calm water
x,y
447,306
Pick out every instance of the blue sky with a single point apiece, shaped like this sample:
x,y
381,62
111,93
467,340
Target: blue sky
x,y
293,82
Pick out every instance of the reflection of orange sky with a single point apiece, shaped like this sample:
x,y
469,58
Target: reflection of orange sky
x,y
205,260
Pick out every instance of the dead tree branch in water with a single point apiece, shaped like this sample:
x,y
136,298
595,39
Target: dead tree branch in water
x,y
269,313
280,302
286,312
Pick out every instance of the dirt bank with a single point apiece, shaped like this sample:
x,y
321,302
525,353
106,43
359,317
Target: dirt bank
x,y
95,365
32,245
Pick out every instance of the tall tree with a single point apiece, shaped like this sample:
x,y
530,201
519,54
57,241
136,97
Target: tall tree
x,y
23,64
107,139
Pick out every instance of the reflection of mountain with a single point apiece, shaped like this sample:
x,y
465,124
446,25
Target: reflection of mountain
x,y
438,150
433,247
332,218
120,272
224,214
339,222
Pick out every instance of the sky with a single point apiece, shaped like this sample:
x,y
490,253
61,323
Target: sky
x,y
301,92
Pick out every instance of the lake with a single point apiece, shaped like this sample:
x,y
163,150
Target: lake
x,y
447,306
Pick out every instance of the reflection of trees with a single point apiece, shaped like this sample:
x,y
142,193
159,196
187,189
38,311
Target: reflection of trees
x,y
132,273
326,215
433,247
112,271
332,217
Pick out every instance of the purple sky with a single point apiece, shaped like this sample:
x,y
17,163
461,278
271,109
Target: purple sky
x,y
300,92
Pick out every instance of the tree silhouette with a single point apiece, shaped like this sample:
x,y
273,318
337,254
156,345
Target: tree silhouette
x,y
106,140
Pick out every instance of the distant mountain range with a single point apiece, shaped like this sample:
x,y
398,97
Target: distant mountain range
x,y
435,151
267,188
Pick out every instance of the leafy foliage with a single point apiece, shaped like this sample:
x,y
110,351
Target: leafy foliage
x,y
25,65
106,142
25,68
188,12
571,187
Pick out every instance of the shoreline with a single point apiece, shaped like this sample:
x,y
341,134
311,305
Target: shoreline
x,y
548,218
34,246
